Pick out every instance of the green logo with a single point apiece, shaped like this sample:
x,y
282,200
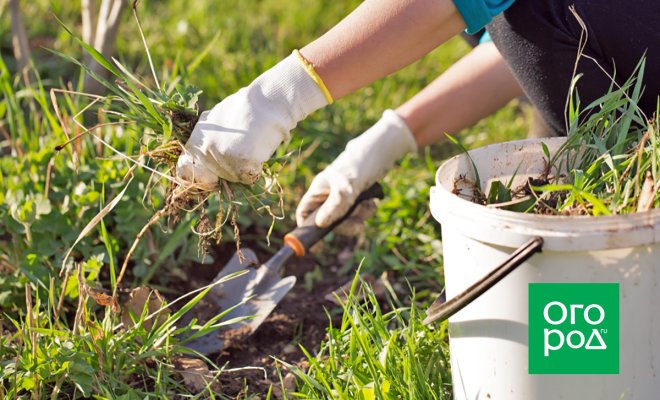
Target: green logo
x,y
573,328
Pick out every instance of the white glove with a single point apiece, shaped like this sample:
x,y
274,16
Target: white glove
x,y
235,138
366,159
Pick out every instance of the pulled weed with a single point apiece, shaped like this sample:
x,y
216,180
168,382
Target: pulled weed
x,y
162,118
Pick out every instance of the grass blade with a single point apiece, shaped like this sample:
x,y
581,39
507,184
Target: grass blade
x,y
91,224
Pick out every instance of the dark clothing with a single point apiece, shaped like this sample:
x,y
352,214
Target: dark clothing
x,y
473,39
539,41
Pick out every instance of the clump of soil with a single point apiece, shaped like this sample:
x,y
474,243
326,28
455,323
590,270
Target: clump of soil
x,y
183,122
521,196
469,190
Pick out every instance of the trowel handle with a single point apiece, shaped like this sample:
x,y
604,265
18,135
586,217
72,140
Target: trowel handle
x,y
303,237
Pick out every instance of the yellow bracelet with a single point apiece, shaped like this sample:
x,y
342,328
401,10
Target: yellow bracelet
x,y
315,77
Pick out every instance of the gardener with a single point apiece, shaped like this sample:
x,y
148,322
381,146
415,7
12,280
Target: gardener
x,y
538,42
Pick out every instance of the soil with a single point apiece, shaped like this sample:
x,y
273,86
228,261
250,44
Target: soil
x,y
467,189
301,318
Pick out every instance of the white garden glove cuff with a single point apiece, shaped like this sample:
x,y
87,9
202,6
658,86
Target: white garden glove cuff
x,y
235,138
366,159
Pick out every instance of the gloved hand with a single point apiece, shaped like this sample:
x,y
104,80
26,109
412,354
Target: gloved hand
x,y
366,159
235,138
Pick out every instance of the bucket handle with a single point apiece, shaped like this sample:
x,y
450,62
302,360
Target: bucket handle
x,y
440,311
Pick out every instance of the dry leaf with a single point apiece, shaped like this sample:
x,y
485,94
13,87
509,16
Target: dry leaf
x,y
647,195
195,373
102,298
135,303
289,382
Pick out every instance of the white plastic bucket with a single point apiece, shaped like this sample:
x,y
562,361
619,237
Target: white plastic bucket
x,y
489,338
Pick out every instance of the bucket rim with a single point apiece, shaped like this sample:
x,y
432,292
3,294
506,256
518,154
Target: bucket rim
x,y
622,230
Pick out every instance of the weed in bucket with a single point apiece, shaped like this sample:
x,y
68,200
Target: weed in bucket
x,y
612,158
162,118
607,165
610,163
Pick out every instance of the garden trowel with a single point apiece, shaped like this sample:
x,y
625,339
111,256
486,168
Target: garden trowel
x,y
251,296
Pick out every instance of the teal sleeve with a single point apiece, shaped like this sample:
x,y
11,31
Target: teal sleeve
x,y
478,13
485,38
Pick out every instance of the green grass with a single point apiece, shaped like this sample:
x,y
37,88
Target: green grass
x,y
128,355
377,355
47,198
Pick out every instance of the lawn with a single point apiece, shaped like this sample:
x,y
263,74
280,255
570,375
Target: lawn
x,y
60,336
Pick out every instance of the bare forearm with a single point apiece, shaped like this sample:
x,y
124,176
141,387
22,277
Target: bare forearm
x,y
378,38
471,89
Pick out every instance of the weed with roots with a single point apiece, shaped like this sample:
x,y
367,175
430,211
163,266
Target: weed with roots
x,y
163,118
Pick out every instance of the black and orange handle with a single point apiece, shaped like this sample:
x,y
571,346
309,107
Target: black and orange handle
x,y
303,237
